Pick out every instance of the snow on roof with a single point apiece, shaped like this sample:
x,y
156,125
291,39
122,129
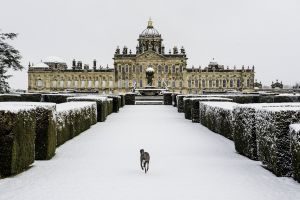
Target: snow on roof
x,y
40,65
53,59
76,105
220,104
295,127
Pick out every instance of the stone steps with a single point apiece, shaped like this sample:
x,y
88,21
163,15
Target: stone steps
x,y
149,102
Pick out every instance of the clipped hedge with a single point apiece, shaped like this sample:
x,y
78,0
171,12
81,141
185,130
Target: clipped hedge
x,y
31,97
122,100
73,118
195,105
102,104
17,136
179,100
129,99
56,98
110,106
116,102
10,97
245,131
273,140
167,98
295,150
174,101
218,117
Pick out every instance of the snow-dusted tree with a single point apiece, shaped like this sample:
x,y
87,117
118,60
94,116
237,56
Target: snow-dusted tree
x,y
9,59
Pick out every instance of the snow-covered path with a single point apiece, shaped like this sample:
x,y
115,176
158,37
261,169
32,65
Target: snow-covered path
x,y
187,162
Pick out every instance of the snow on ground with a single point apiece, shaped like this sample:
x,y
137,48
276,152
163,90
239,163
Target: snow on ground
x,y
187,162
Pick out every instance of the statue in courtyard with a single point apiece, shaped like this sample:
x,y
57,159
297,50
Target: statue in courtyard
x,y
149,75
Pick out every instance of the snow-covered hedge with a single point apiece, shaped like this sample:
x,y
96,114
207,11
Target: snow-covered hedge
x,y
195,105
295,150
110,106
273,141
56,98
180,103
17,137
167,98
218,117
116,102
174,101
102,104
73,118
122,99
130,98
45,131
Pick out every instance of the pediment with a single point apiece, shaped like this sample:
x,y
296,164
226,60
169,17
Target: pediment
x,y
150,55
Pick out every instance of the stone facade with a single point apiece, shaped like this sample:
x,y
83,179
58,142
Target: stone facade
x,y
170,70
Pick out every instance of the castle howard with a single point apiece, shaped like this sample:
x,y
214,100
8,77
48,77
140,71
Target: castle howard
x,y
129,72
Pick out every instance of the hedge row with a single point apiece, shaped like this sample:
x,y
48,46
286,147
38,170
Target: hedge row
x,y
130,99
218,117
174,101
167,98
73,118
102,104
295,150
189,102
56,98
273,139
17,135
116,102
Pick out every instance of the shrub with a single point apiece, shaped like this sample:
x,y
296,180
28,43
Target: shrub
x,y
102,104
17,136
32,97
73,118
174,101
129,99
10,97
56,98
167,98
218,117
116,102
273,139
295,150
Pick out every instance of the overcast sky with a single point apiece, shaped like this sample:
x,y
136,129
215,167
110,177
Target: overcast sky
x,y
264,33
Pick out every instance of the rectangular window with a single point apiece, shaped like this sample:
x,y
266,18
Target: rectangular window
x,y
141,83
82,84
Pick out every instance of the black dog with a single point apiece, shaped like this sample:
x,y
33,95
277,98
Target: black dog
x,y
145,158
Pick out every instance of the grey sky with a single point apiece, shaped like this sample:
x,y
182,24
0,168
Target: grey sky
x,y
264,33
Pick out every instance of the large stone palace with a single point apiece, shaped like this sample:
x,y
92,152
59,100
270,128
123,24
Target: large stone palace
x,y
129,72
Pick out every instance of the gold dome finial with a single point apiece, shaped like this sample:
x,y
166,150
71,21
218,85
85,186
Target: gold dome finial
x,y
150,23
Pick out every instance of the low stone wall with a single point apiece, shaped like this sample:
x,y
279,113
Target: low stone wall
x,y
73,118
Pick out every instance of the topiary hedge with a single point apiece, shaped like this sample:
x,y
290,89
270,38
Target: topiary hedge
x,y
273,139
195,105
31,97
17,136
110,106
122,99
10,97
167,98
244,134
129,99
116,102
102,104
56,98
174,101
218,117
73,118
295,150
179,99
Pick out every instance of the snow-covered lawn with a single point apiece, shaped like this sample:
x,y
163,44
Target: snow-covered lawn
x,y
187,162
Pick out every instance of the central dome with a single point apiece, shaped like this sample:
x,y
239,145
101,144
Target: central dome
x,y
150,31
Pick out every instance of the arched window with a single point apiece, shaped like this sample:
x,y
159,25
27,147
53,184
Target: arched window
x,y
217,83
224,83
166,69
68,84
180,84
96,83
39,83
159,69
173,69
189,83
173,84
61,83
141,83
141,69
231,83
248,82
159,83
83,83
133,68
203,84
126,69
89,84
238,83
75,84
103,83
210,83
196,83
180,68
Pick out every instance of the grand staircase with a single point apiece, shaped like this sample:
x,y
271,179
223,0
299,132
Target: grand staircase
x,y
149,100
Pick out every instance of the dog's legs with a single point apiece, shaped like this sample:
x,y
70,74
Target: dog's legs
x,y
142,164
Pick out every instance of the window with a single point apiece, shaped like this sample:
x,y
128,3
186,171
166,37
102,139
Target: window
x,y
133,69
166,69
203,84
82,84
189,83
61,84
120,69
159,69
141,69
111,84
126,69
96,84
231,83
238,83
196,83
173,84
54,84
119,83
248,82
89,84
68,84
141,83
224,83
39,83
159,83
173,69
75,84
180,68
217,83
103,83
210,83
180,84
126,84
